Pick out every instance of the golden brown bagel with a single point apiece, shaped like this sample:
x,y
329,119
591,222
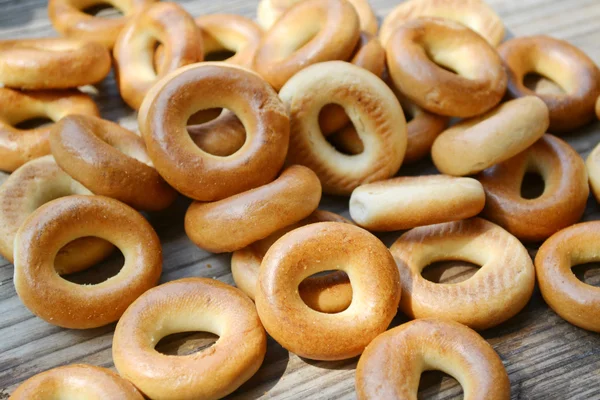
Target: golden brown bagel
x,y
561,204
372,108
497,291
190,304
194,172
475,144
330,293
58,222
392,364
240,220
564,64
17,146
418,53
221,136
110,161
572,299
592,164
315,248
74,382
167,23
310,32
598,108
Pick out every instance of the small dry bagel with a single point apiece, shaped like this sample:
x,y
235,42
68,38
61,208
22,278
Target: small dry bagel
x,y
221,136
310,32
189,169
475,14
419,49
69,19
190,304
565,65
372,108
110,161
58,222
316,248
475,144
407,202
392,364
17,146
167,23
237,221
572,299
497,291
562,202
330,293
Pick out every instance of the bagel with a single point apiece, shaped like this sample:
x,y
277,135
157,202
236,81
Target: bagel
x,y
58,222
315,248
310,32
592,164
561,204
598,108
76,381
392,364
190,304
418,53
330,293
192,171
498,290
372,108
110,161
475,144
221,136
564,64
572,299
240,220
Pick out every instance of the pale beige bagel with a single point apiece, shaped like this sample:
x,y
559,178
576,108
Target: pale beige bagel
x,y
592,164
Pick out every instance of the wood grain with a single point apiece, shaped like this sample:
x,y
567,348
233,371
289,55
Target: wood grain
x,y
546,357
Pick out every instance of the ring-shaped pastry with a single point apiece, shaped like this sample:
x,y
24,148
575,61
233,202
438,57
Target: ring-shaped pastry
x,y
592,164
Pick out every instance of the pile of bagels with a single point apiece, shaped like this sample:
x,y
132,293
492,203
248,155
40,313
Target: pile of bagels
x,y
314,98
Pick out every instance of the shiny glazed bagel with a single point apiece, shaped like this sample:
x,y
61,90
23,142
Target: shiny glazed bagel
x,y
372,108
475,144
17,146
316,248
497,291
167,23
564,64
194,172
242,219
418,50
330,293
562,202
407,202
310,32
74,382
58,222
392,364
572,299
110,161
184,305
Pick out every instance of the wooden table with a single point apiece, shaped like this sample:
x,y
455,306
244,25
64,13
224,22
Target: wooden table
x,y
546,357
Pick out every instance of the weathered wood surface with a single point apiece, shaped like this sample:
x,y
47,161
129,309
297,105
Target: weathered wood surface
x,y
546,357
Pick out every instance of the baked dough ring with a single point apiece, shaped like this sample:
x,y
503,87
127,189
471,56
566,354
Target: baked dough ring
x,y
237,221
192,171
190,304
167,23
330,293
76,381
564,64
372,108
110,161
392,364
416,53
572,299
561,204
497,291
53,225
310,32
475,144
315,248
592,164
17,146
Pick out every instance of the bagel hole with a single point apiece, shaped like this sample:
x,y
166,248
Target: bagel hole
x,y
542,84
217,131
532,186
433,382
186,343
344,140
99,272
220,55
439,63
588,273
317,299
445,272
34,123
103,10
